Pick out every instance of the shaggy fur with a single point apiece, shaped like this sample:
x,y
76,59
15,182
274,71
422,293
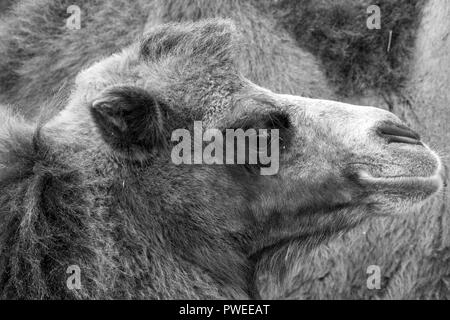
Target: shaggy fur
x,y
417,262
269,56
356,58
415,267
140,227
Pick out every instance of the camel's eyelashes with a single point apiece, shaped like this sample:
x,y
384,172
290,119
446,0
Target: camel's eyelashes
x,y
268,121
279,120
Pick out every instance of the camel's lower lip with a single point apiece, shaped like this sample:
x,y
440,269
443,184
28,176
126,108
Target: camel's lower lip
x,y
434,182
364,175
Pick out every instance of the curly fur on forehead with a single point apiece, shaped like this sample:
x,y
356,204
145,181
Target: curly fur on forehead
x,y
213,40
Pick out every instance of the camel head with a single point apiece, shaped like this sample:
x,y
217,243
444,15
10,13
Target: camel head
x,y
338,164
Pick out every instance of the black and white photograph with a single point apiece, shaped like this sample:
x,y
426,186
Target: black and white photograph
x,y
246,151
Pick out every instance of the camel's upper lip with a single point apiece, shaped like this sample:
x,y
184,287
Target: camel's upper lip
x,y
418,165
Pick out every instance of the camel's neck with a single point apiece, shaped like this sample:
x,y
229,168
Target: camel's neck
x,y
278,266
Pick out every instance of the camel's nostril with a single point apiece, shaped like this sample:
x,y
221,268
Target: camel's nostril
x,y
397,133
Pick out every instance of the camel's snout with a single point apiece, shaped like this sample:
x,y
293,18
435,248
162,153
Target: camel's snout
x,y
390,159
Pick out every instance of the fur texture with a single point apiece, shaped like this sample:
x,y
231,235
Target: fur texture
x,y
332,271
355,58
269,56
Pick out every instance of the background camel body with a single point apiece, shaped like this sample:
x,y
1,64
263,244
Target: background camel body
x,y
41,54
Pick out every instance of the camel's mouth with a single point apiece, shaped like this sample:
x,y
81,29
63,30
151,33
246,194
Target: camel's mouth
x,y
403,174
408,189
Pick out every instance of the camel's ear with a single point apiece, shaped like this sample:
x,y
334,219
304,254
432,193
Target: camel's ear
x,y
130,120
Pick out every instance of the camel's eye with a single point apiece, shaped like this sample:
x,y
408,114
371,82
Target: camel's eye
x,y
265,124
279,121
267,136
